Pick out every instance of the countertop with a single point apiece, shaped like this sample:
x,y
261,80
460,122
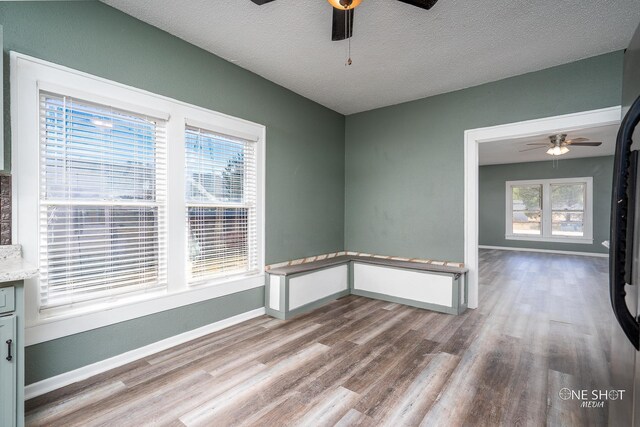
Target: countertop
x,y
12,266
414,265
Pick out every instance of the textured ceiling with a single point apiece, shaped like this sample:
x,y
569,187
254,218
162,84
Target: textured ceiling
x,y
399,52
508,151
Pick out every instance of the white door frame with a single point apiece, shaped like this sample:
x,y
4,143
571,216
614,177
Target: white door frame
x,y
473,137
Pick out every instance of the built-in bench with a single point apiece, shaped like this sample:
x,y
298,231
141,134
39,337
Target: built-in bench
x,y
297,288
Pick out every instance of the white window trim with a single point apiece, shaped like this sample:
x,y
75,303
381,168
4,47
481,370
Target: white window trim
x,y
28,75
546,211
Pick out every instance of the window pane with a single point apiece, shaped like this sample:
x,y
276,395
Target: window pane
x,y
527,223
215,167
98,251
218,240
526,197
567,203
567,197
567,223
569,229
567,216
95,152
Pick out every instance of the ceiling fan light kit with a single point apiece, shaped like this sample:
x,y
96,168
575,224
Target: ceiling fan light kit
x,y
557,151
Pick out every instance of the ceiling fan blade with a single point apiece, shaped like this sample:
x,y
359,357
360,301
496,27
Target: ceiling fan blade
x,y
534,148
577,139
261,2
342,27
538,143
584,144
424,4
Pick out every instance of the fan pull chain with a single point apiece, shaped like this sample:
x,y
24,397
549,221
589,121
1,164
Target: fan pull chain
x,y
346,32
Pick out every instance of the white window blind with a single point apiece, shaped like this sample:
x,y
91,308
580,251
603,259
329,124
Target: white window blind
x,y
102,201
221,204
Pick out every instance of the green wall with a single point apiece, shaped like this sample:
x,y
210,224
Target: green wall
x,y
305,149
491,213
404,163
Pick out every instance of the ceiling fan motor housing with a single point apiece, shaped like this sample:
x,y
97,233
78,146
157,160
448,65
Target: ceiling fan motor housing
x,y
558,139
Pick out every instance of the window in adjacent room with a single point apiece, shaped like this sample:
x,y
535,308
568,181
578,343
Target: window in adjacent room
x,y
550,210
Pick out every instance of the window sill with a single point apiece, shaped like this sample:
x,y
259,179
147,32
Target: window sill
x,y
50,328
578,240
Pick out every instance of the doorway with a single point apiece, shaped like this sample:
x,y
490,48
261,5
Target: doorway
x,y
472,140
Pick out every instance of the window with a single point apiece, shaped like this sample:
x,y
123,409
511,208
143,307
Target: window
x,y
102,201
130,203
550,210
526,201
567,209
221,204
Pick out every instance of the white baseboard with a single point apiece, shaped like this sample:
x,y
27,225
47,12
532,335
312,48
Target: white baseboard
x,y
54,383
550,251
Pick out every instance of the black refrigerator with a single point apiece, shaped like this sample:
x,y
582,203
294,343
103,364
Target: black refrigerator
x,y
624,249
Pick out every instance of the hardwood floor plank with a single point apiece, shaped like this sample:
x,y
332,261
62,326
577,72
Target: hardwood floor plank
x,y
77,390
218,408
414,404
283,351
332,407
296,386
354,324
354,418
459,392
494,376
347,307
373,372
48,413
527,398
115,406
228,359
188,398
214,340
384,393
368,333
563,355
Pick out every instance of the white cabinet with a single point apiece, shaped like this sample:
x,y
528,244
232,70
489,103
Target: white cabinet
x,y
8,371
11,354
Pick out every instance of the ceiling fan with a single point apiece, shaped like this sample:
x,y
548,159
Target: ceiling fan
x,y
342,27
559,144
